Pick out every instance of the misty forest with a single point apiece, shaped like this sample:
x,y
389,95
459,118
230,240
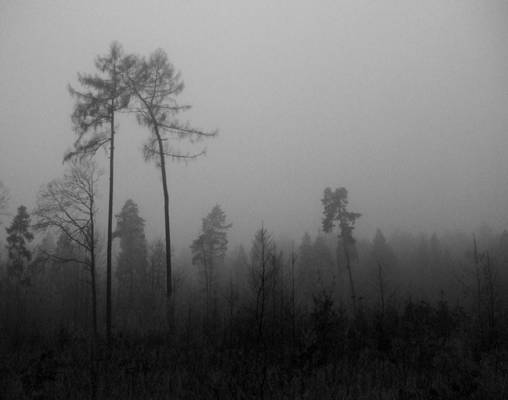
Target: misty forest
x,y
121,284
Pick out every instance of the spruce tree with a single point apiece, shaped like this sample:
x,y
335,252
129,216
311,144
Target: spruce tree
x,y
18,237
132,265
335,212
208,250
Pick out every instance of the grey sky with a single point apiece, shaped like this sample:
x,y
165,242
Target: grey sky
x,y
405,103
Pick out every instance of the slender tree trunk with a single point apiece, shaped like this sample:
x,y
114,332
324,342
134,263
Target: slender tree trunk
x,y
340,283
91,244
93,352
94,296
110,226
231,308
381,288
169,284
478,285
206,271
293,309
351,282
262,288
491,299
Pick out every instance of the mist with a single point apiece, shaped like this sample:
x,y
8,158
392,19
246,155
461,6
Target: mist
x,y
404,104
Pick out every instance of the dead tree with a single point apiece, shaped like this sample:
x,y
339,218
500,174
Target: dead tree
x,y
67,206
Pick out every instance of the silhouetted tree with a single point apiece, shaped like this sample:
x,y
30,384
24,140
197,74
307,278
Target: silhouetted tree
x,y
19,255
335,213
94,117
132,260
209,249
502,247
382,252
306,265
324,263
68,206
315,263
239,266
18,275
157,264
262,273
69,281
155,85
384,262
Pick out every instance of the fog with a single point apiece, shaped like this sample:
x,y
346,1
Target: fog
x,y
360,158
403,103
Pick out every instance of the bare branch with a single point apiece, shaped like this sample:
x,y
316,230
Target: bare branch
x,y
68,204
57,258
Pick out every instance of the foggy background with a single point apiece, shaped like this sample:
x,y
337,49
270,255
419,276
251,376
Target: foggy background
x,y
403,103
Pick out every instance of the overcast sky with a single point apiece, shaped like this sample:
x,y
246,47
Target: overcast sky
x,y
405,103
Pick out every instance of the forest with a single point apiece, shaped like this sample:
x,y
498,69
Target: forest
x,y
331,316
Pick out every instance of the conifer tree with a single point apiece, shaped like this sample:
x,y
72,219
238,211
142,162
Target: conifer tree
x,y
382,252
102,96
335,212
324,262
19,255
133,257
209,249
155,84
262,273
306,281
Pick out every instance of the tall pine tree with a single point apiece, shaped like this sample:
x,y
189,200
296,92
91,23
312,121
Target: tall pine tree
x,y
208,250
335,212
102,96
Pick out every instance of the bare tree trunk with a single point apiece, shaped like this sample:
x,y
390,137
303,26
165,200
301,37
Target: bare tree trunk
x,y
282,302
93,353
351,283
478,285
169,287
94,297
381,288
340,283
491,299
206,274
293,310
261,293
231,308
110,226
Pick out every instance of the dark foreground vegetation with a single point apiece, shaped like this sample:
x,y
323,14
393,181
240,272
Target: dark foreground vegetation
x,y
273,327
421,352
